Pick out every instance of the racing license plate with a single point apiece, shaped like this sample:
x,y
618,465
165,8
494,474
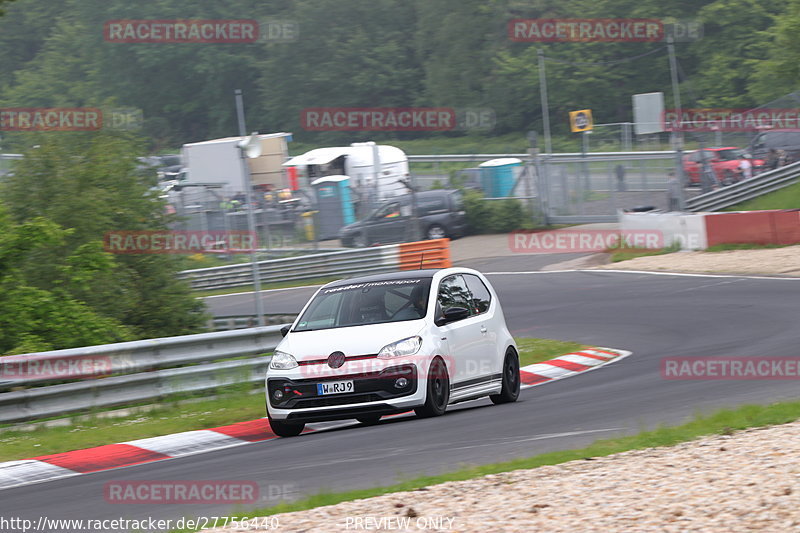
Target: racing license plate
x,y
335,387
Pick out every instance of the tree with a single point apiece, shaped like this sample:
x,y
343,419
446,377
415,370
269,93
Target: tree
x,y
88,183
779,73
36,319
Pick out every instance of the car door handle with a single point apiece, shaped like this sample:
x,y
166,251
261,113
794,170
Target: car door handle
x,y
483,329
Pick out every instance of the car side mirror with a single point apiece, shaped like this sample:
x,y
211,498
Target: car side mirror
x,y
452,315
285,330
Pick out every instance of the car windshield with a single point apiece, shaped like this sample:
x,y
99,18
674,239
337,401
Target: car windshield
x,y
373,302
729,155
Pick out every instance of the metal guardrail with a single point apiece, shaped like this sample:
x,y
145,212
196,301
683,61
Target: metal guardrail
x,y
329,264
582,219
359,261
746,190
67,398
211,356
566,157
226,323
135,356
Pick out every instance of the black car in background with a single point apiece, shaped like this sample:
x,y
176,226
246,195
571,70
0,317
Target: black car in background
x,y
440,211
786,140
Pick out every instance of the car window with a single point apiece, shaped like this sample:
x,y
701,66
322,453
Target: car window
x,y
431,206
481,297
729,155
453,292
791,139
373,302
458,201
388,211
322,312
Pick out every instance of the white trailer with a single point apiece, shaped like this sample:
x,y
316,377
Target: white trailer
x,y
361,162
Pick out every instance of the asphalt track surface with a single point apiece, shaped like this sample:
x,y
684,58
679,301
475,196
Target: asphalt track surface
x,y
654,316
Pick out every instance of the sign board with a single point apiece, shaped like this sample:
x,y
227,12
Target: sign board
x,y
581,120
648,113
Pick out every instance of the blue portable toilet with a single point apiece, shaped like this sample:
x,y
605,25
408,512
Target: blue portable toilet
x,y
498,176
334,205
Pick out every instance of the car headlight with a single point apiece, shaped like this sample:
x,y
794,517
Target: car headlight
x,y
408,346
282,361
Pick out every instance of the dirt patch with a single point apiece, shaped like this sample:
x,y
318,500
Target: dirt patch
x,y
767,261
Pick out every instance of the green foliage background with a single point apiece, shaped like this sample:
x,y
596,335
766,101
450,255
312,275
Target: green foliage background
x,y
380,53
58,287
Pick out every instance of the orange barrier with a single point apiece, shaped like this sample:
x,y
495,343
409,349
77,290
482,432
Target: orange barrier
x,y
425,254
753,227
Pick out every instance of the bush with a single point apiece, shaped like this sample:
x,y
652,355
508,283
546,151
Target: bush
x,y
494,216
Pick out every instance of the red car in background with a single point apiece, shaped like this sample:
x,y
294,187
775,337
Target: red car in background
x,y
724,163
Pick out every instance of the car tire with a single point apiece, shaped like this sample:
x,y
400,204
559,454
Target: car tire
x,y
511,381
369,420
437,391
285,429
360,241
728,178
436,231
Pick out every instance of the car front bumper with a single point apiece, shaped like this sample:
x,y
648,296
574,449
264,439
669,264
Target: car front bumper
x,y
375,392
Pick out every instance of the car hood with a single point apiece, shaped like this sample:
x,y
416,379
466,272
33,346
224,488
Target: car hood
x,y
354,340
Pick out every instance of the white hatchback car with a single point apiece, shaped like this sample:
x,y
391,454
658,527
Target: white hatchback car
x,y
370,346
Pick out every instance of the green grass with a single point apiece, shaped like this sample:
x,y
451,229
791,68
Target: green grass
x,y
625,253
232,404
171,417
533,350
743,246
723,422
787,198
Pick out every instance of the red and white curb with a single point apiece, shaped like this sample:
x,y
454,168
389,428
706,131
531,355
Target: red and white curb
x,y
135,452
569,365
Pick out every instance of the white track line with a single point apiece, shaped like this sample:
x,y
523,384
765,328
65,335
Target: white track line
x,y
652,273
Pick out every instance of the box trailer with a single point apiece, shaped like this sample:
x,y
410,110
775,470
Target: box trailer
x,y
218,161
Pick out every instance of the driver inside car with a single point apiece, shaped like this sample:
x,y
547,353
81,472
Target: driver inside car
x,y
417,306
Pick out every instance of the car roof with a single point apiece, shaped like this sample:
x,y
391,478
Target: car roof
x,y
389,276
424,273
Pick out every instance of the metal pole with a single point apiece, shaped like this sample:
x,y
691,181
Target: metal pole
x,y
376,173
585,148
676,95
415,227
548,145
248,191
